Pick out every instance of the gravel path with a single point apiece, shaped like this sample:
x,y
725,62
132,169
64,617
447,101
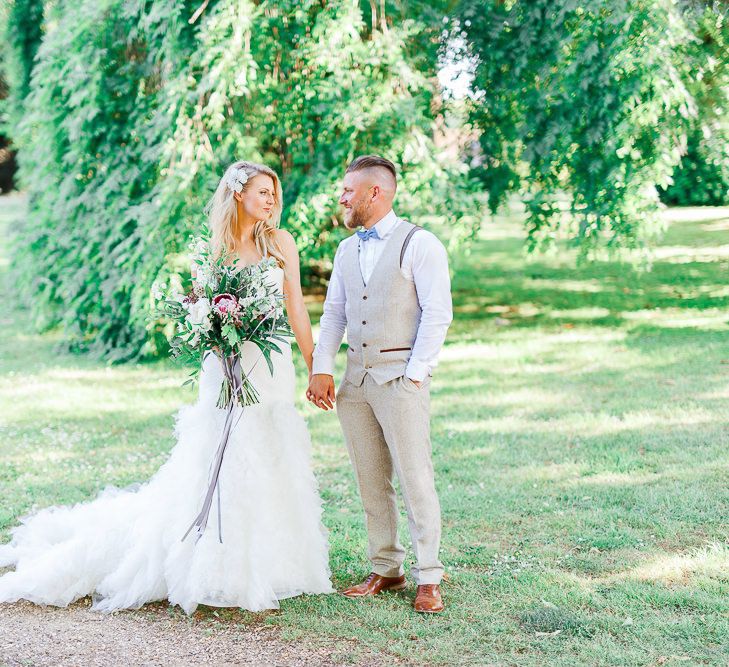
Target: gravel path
x,y
32,636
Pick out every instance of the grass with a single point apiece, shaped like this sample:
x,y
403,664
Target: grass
x,y
580,437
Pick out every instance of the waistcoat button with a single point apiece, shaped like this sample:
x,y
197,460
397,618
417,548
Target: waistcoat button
x,y
364,322
365,297
364,344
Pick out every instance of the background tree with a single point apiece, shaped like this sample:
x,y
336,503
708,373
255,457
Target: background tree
x,y
7,155
21,27
583,108
136,108
126,112
702,177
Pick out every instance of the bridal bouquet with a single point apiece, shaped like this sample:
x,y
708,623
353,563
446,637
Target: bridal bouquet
x,y
226,307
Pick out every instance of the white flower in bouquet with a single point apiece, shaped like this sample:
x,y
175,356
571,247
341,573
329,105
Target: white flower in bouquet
x,y
206,277
158,291
200,248
263,306
198,314
247,301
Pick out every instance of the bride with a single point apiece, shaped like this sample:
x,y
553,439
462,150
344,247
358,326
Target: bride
x,y
124,547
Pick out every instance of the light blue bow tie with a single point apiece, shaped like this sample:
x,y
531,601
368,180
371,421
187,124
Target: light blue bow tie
x,y
367,234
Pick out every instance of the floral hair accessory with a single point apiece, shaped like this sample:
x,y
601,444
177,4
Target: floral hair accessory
x,y
236,179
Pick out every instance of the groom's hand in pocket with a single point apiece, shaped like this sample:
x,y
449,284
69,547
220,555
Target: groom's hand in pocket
x,y
321,391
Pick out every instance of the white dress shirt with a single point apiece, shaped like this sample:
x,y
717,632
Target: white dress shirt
x,y
426,265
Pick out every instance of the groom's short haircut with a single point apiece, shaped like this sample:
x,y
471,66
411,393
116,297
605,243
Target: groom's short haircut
x,y
373,162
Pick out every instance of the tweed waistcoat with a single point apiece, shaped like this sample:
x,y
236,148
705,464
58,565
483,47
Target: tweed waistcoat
x,y
383,315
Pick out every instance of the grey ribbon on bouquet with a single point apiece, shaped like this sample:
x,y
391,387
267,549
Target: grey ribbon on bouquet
x,y
231,369
232,372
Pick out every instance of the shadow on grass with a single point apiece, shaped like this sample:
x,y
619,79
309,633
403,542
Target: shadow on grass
x,y
497,287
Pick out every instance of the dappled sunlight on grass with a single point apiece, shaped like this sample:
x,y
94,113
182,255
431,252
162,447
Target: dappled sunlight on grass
x,y
715,290
586,313
526,398
693,214
721,225
711,562
139,392
515,346
86,401
670,569
612,478
542,472
461,426
689,255
717,395
117,374
592,286
48,455
475,453
710,318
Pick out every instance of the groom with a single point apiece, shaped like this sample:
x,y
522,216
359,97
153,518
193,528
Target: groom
x,y
390,289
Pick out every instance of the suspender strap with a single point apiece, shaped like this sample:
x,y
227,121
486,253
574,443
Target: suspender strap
x,y
407,242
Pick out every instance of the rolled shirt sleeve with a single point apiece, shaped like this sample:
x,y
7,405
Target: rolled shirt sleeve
x,y
333,322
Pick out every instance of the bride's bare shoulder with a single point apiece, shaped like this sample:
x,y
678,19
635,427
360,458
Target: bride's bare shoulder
x,y
284,237
286,242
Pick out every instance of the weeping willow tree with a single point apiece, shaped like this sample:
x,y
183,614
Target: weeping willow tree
x,y
134,108
125,113
584,108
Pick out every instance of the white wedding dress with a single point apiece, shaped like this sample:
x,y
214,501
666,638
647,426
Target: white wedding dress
x,y
125,549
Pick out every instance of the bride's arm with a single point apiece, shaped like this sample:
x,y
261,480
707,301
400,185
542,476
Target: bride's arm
x,y
298,315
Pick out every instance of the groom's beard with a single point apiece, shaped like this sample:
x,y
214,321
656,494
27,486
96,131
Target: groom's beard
x,y
358,216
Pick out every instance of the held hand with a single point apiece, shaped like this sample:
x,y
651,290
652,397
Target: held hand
x,y
321,391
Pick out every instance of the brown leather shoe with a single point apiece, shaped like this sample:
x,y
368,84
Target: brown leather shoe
x,y
375,584
428,599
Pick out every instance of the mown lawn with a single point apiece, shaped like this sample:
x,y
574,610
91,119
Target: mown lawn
x,y
580,435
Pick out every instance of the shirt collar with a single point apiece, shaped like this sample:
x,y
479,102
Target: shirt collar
x,y
386,224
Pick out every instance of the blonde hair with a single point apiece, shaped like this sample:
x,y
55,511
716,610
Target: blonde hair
x,y
222,213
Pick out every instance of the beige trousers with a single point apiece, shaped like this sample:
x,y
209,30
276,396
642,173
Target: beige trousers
x,y
387,428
